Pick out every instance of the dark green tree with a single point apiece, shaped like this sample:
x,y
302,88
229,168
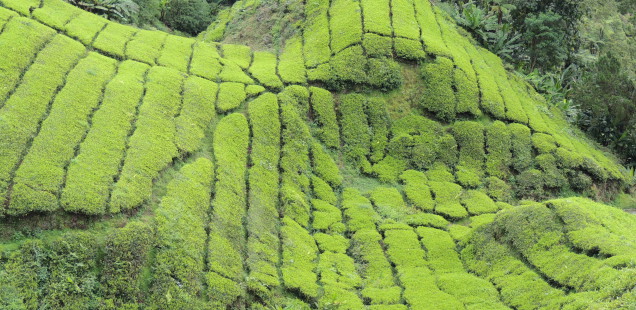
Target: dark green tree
x,y
189,16
545,35
607,100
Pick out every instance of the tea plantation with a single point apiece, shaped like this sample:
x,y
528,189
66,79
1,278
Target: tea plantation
x,y
380,160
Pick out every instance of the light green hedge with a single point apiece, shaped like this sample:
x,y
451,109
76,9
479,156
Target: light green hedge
x,y
20,41
262,214
231,96
299,259
90,175
345,23
379,122
447,199
231,72
263,68
476,202
55,14
205,61
404,22
431,34
181,218
176,53
417,190
358,211
377,17
196,114
355,129
498,142
378,284
112,39
39,178
322,105
295,161
316,48
472,156
438,81
84,27
146,46
238,54
377,45
291,65
151,146
324,166
522,157
22,112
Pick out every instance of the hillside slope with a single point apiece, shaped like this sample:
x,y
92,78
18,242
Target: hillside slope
x,y
360,167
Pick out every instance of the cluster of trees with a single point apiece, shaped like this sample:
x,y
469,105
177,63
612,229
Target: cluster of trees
x,y
550,42
187,16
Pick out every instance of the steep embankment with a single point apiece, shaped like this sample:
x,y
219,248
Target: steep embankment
x,y
347,171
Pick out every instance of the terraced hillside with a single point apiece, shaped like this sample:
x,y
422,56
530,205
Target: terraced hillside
x,y
381,160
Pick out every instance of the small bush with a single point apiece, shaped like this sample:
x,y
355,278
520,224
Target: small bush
x,y
190,16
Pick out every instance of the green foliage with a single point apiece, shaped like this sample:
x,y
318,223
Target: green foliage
x,y
447,199
417,190
295,161
438,80
355,129
181,235
403,16
529,184
409,49
349,65
316,47
384,74
41,174
262,215
377,45
544,35
291,66
145,46
543,143
377,17
205,61
389,203
358,211
322,105
151,146
378,284
299,253
103,148
498,141
552,175
322,190
20,41
231,96
84,27
498,189
239,54
324,165
112,39
232,72
606,96
388,169
196,114
477,203
379,122
521,147
125,254
420,142
28,104
263,68
190,16
470,139
176,53
345,24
